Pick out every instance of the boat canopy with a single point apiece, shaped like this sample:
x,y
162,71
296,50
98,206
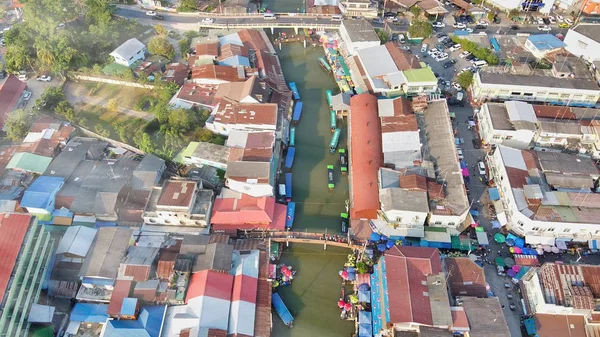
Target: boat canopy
x,y
297,112
334,140
289,159
292,136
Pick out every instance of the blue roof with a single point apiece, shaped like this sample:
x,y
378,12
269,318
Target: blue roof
x,y
128,306
89,313
39,193
148,324
235,60
64,212
545,41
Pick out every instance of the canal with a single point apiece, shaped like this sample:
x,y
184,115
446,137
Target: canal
x,y
312,297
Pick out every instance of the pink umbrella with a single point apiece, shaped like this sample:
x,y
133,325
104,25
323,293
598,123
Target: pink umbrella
x,y
344,274
516,268
341,303
517,250
348,306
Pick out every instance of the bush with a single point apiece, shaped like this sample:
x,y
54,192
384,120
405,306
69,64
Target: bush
x,y
420,28
465,79
480,53
160,46
17,125
113,105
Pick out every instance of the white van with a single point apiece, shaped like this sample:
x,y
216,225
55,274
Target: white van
x,y
270,16
480,63
337,17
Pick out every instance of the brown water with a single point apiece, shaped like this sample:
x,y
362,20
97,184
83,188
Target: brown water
x,y
312,298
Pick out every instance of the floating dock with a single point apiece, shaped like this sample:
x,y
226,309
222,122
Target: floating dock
x,y
297,112
282,310
343,161
293,136
324,64
294,90
330,183
334,140
344,222
289,158
329,95
288,187
332,120
291,211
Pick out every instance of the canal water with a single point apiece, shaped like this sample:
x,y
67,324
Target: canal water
x,y
312,297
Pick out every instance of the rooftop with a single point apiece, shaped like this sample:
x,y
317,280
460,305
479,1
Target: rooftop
x,y
218,72
29,162
76,241
248,170
10,93
404,200
176,72
203,94
239,209
360,30
239,91
148,324
545,41
41,192
536,80
560,127
13,229
509,116
212,152
589,30
129,48
244,113
177,193
250,140
365,142
566,164
486,317
465,277
107,251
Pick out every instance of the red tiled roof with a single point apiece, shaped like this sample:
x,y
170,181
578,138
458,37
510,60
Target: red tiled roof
x,y
241,113
465,277
551,111
230,50
199,93
210,283
207,49
260,139
244,288
177,193
122,289
399,124
413,182
176,72
361,229
253,39
402,59
246,210
460,322
10,92
407,269
366,156
13,228
553,325
261,155
223,73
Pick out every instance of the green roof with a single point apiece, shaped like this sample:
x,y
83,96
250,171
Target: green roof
x,y
29,162
420,75
187,152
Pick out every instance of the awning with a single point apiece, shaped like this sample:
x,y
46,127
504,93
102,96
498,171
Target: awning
x,y
539,240
494,194
594,244
465,172
452,115
482,238
496,224
562,243
501,218
526,260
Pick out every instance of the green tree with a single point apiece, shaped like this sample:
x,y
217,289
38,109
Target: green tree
x,y
362,267
420,28
181,119
383,35
184,46
160,46
113,105
101,130
145,143
17,57
160,30
17,125
514,13
188,6
465,79
52,96
416,11
490,16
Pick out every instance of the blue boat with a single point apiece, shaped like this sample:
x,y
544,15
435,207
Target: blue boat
x,y
292,136
289,158
282,310
291,210
294,90
288,186
329,94
297,112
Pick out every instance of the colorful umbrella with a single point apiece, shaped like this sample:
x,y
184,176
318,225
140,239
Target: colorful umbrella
x,y
383,238
424,243
511,273
516,268
347,306
500,261
509,262
517,250
510,242
498,237
381,247
390,244
341,304
375,237
555,250
511,249
344,274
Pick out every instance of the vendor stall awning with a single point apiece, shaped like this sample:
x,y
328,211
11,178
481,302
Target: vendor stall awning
x,y
494,194
526,260
539,240
501,218
482,238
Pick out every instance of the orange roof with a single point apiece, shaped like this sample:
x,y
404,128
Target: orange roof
x,y
242,113
551,111
366,156
207,49
177,193
210,283
199,93
402,59
122,289
211,71
230,50
413,182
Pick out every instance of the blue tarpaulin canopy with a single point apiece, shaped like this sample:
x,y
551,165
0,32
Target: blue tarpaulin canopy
x,y
289,159
530,326
365,330
375,237
364,317
494,194
364,295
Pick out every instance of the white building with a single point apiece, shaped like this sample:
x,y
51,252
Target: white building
x,y
179,203
584,40
401,144
506,5
252,178
129,52
546,195
511,123
359,8
535,87
542,44
240,116
358,34
558,133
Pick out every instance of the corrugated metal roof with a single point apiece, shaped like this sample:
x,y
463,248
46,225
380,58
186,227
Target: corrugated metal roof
x,y
177,193
486,317
122,290
76,241
29,162
39,193
107,251
13,228
241,318
217,257
129,305
512,158
210,283
365,156
465,277
148,324
244,263
89,313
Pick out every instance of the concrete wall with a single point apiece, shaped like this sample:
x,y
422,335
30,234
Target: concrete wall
x,y
580,45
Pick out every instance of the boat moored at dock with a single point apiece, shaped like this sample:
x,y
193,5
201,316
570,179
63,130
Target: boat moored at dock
x,y
293,136
330,183
343,161
324,64
297,112
289,218
329,95
334,140
332,120
294,90
282,310
289,158
344,222
288,187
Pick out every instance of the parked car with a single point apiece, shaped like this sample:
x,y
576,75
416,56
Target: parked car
x,y
569,21
459,25
546,21
544,28
564,25
460,153
481,166
476,143
424,48
438,24
512,307
514,27
552,19
510,296
2,74
482,23
151,13
464,54
449,64
455,47
208,20
405,47
26,95
456,86
378,20
468,30
507,285
158,17
44,78
560,19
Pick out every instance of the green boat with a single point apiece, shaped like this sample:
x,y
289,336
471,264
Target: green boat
x,y
324,64
293,136
332,120
334,141
329,94
330,182
343,161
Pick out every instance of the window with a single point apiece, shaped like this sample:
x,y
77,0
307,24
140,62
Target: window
x,y
528,94
515,93
439,223
582,44
535,229
167,221
564,96
550,229
520,223
566,230
451,224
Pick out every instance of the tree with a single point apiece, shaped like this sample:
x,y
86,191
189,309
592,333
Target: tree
x,y
362,267
160,30
52,96
181,119
420,28
490,16
101,130
160,46
188,6
465,79
416,11
17,125
144,142
113,105
383,35
514,13
184,46
65,109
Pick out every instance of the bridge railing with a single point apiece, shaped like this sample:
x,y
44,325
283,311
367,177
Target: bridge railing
x,y
269,24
